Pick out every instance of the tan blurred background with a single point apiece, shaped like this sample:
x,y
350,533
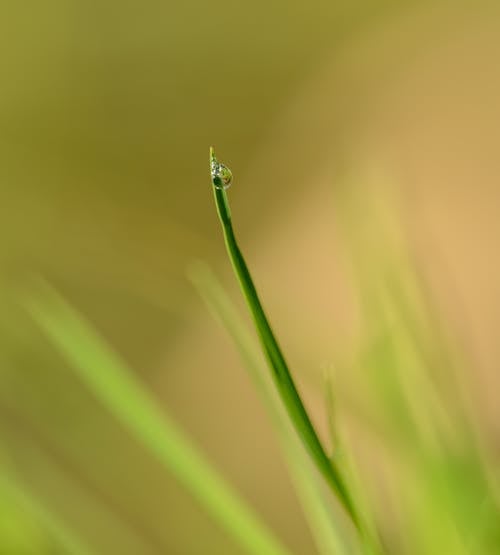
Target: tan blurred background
x,y
107,111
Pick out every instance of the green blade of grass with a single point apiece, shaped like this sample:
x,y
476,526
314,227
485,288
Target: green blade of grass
x,y
277,363
322,520
35,508
126,398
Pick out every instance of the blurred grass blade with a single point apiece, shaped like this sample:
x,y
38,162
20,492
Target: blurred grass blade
x,y
96,520
13,488
127,399
322,520
281,374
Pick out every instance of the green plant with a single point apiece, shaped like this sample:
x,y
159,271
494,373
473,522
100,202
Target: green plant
x,y
107,376
17,497
447,469
221,179
443,488
322,520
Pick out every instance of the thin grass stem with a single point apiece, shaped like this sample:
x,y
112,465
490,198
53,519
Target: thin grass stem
x,y
275,358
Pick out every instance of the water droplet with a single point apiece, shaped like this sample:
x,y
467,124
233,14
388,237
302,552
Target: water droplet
x,y
221,175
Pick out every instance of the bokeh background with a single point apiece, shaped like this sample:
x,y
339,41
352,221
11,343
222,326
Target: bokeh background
x,y
355,130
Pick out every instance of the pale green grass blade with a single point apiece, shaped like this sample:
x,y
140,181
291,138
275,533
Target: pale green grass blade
x,y
345,461
323,521
444,495
126,398
86,513
36,509
454,487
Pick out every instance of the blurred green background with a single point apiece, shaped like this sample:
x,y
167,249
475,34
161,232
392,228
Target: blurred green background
x,y
327,113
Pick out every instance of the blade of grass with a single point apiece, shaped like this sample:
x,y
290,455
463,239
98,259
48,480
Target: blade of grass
x,y
321,519
369,532
126,398
99,523
275,358
14,488
414,382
